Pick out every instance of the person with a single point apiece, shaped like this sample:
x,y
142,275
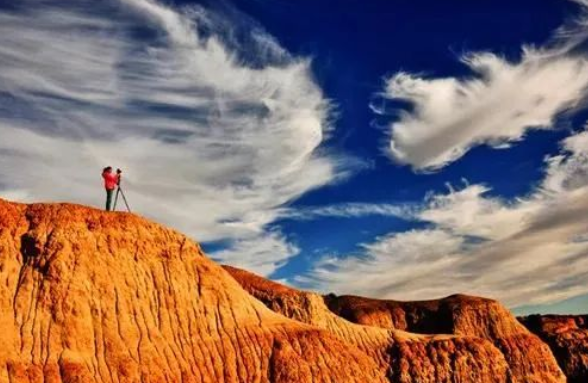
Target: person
x,y
111,181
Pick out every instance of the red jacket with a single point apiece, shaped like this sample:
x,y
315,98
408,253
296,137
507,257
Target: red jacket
x,y
110,180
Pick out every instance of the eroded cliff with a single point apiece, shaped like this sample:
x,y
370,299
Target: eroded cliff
x,y
528,357
407,357
468,322
567,336
90,296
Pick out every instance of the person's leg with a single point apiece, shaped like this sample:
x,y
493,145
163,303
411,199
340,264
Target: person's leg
x,y
108,199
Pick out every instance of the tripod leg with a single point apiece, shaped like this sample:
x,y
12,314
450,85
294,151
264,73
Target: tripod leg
x,y
125,200
116,199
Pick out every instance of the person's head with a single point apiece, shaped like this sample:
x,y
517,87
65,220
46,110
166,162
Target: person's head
x,y
108,169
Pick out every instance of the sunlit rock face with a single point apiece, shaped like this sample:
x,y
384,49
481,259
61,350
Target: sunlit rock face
x,y
471,325
529,358
91,296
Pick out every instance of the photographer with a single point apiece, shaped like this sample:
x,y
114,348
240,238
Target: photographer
x,y
111,181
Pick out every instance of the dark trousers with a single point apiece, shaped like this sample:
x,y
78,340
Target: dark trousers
x,y
109,194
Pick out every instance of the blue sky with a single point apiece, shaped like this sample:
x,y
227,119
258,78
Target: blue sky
x,y
395,149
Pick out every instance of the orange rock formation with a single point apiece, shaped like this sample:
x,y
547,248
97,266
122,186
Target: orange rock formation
x,y
567,335
527,356
470,320
89,296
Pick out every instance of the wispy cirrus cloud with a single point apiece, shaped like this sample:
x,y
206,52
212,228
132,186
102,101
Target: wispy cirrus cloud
x,y
496,105
531,250
347,210
206,134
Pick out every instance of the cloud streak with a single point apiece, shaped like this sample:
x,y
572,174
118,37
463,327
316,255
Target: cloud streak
x,y
205,137
346,210
496,105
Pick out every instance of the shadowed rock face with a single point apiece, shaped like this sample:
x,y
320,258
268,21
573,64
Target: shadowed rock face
x,y
567,335
89,296
469,321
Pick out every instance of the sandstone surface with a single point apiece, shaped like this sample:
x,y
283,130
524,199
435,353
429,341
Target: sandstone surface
x,y
567,335
91,296
463,319
528,357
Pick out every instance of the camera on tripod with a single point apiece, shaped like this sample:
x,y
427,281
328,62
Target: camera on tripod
x,y
119,191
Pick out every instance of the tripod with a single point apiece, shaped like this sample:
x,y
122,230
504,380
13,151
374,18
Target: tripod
x,y
120,191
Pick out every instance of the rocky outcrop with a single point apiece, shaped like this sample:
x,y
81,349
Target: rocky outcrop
x,y
467,319
407,357
567,336
90,296
528,357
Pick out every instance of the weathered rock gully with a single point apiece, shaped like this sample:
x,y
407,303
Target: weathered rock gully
x,y
567,336
88,296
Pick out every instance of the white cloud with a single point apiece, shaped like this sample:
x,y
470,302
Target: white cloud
x,y
265,254
206,139
531,250
346,210
494,106
469,212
